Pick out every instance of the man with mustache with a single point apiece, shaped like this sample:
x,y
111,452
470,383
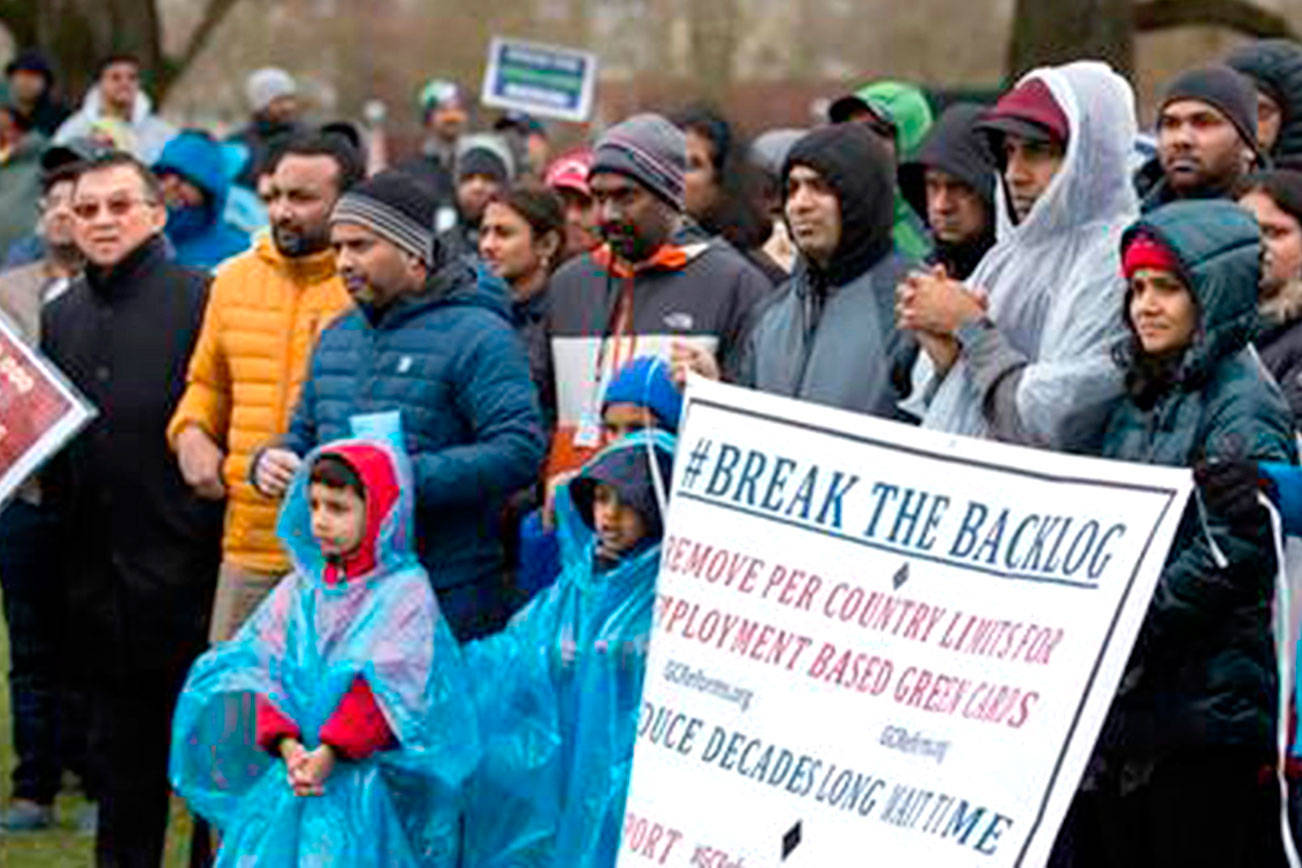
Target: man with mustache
x,y
950,183
838,194
1206,135
1019,352
429,340
267,307
657,281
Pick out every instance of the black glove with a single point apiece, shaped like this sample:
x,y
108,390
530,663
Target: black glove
x,y
1229,489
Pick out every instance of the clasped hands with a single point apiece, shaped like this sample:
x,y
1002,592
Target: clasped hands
x,y
933,305
307,769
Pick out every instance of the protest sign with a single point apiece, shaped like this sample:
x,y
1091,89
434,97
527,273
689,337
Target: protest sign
x,y
879,645
39,410
547,80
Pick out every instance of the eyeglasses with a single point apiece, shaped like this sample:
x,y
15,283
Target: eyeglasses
x,y
115,207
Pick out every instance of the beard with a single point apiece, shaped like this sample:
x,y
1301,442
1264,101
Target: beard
x,y
294,243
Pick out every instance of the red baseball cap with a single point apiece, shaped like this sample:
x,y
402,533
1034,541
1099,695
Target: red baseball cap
x,y
569,171
1029,111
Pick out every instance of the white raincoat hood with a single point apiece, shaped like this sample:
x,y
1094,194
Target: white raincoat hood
x,y
1054,280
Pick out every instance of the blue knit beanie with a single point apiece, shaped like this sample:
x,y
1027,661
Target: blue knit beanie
x,y
645,381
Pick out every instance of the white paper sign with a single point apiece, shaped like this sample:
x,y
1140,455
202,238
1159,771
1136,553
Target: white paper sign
x,y
878,645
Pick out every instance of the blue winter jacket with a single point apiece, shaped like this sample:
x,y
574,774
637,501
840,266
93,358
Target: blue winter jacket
x,y
201,236
449,361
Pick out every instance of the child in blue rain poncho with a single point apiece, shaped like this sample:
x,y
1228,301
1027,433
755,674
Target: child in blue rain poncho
x,y
558,691
336,727
640,395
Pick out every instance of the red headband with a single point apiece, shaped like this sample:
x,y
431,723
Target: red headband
x,y
1146,252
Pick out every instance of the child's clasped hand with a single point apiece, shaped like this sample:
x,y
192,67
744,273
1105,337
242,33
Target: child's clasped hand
x,y
307,770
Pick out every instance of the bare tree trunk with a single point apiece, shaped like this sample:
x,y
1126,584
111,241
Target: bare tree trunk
x,y
78,34
715,28
1051,32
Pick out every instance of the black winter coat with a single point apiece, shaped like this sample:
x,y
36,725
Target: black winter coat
x,y
1280,347
141,549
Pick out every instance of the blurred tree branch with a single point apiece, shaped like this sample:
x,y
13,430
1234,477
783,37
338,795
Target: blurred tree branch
x,y
1238,15
213,14
19,18
77,34
1049,33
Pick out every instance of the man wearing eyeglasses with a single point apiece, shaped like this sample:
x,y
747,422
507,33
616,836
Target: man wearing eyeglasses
x,y
141,548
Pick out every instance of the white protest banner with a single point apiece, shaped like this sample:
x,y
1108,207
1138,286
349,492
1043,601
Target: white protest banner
x,y
548,80
878,645
39,410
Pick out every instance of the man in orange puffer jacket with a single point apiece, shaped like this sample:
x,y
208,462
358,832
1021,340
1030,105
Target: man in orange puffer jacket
x,y
265,311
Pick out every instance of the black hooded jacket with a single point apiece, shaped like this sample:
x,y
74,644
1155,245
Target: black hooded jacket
x,y
1275,66
830,336
956,148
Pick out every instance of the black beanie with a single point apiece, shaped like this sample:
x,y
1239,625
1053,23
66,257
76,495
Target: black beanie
x,y
1232,94
482,161
395,206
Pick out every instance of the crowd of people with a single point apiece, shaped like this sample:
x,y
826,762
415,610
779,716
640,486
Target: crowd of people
x,y
358,555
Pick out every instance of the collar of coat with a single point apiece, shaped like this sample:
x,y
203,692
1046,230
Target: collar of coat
x,y
312,268
667,257
117,280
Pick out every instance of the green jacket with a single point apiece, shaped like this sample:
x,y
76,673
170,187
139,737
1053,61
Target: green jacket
x,y
20,190
1202,671
909,109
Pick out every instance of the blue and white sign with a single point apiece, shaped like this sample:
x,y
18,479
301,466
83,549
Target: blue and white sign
x,y
548,80
879,645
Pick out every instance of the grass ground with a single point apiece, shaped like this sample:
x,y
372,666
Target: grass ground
x,y
62,846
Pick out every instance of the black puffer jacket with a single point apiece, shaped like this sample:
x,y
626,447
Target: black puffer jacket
x,y
1275,66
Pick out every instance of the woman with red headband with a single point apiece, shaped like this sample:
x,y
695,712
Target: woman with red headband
x,y
1181,773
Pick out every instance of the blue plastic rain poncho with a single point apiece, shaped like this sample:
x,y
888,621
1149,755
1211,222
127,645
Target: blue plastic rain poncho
x,y
644,381
558,691
1054,280
302,649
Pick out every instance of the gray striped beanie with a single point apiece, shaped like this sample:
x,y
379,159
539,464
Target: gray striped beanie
x,y
395,206
648,149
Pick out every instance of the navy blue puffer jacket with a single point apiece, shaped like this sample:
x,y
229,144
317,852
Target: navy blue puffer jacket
x,y
449,360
